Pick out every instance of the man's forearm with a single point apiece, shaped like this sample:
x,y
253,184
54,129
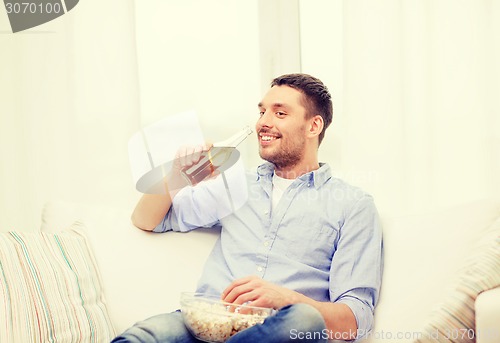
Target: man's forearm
x,y
150,210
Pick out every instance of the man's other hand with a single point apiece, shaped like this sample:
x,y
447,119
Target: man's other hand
x,y
254,291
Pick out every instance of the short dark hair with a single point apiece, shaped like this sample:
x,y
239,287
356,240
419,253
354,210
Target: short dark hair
x,y
317,98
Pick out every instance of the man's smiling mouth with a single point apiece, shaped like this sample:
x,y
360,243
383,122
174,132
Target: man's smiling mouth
x,y
268,137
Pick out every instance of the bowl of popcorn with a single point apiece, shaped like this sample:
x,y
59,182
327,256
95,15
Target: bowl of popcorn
x,y
210,319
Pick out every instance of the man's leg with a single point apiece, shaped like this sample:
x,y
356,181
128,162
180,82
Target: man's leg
x,y
294,323
165,328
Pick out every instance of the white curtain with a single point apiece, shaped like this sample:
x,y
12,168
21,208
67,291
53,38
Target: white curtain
x,y
199,55
74,90
68,104
416,86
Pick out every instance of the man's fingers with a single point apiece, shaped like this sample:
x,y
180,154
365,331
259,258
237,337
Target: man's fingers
x,y
241,295
186,156
236,283
181,156
195,157
207,146
188,159
238,287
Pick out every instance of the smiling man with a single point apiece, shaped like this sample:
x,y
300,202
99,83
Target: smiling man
x,y
305,243
289,129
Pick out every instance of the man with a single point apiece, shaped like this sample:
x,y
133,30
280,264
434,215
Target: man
x,y
304,242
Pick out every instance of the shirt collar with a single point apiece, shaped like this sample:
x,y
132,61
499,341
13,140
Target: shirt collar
x,y
315,178
265,170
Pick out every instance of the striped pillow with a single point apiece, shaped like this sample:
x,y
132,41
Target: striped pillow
x,y
454,319
50,289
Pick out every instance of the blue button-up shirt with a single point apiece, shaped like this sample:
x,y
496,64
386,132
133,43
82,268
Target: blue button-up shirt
x,y
323,239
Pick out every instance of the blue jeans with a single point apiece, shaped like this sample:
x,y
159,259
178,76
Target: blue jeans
x,y
293,323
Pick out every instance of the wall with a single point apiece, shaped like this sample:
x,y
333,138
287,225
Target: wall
x,y
415,86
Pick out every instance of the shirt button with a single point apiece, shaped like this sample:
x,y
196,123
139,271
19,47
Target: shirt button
x,y
266,243
266,212
259,268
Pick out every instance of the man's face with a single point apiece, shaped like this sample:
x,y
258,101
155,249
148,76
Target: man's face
x,y
281,128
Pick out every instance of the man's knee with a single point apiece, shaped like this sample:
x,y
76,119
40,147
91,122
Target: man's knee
x,y
135,334
166,327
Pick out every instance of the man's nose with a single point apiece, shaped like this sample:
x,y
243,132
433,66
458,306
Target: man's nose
x,y
265,119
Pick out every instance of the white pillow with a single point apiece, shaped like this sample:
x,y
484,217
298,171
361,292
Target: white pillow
x,y
50,289
423,256
454,319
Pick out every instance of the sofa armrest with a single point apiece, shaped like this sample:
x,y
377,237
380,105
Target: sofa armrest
x,y
488,316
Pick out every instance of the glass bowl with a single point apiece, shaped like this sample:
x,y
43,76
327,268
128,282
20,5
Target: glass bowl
x,y
211,320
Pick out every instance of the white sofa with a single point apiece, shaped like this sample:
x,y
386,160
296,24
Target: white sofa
x,y
143,273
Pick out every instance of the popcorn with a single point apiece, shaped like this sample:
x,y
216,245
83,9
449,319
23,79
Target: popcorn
x,y
215,322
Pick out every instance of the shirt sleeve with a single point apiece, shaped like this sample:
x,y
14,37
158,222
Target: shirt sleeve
x,y
190,210
206,203
357,264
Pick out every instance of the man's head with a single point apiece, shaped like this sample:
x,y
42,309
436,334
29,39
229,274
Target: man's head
x,y
294,114
315,96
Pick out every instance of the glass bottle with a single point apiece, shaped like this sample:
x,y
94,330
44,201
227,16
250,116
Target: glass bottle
x,y
220,157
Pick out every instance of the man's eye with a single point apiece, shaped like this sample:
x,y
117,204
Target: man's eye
x,y
281,114
261,113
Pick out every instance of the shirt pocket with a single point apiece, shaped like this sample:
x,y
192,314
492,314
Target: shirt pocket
x,y
312,245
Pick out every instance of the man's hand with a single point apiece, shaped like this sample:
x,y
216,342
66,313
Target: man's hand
x,y
151,208
338,317
257,292
185,157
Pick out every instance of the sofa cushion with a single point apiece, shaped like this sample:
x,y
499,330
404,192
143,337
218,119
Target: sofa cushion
x,y
487,307
50,289
454,318
143,273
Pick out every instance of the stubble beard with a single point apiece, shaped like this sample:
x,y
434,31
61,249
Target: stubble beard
x,y
286,156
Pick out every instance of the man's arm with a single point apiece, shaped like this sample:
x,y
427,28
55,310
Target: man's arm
x,y
356,268
152,208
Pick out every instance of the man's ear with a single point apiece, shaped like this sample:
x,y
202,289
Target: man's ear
x,y
316,125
